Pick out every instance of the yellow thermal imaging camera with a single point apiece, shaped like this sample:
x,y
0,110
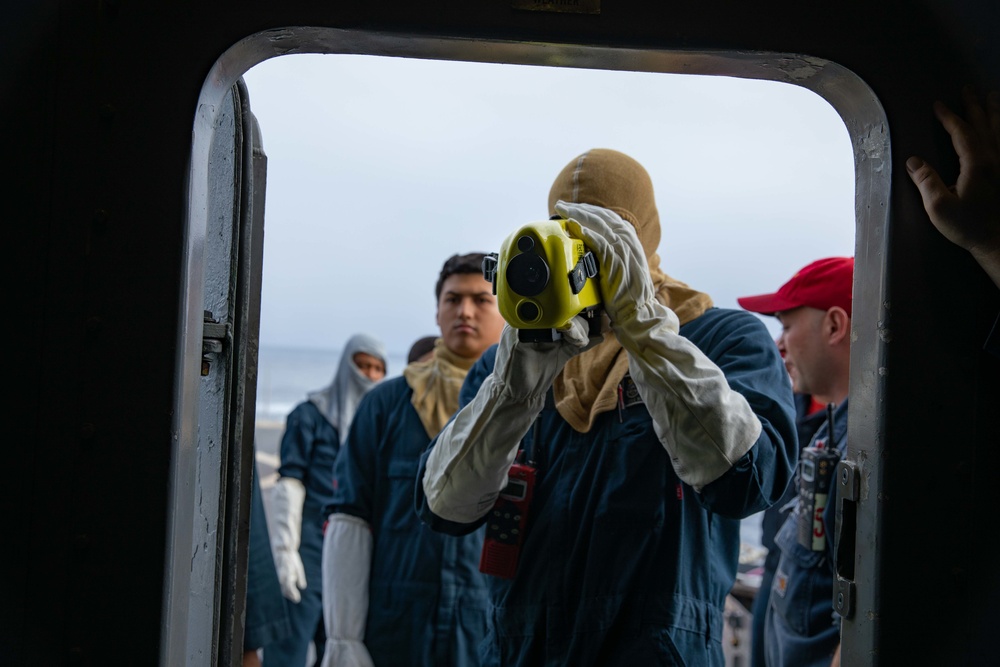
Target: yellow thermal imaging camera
x,y
543,277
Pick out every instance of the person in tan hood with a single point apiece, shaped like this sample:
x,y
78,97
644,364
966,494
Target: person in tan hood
x,y
646,445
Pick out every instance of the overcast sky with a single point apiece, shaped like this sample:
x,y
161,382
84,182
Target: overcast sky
x,y
381,168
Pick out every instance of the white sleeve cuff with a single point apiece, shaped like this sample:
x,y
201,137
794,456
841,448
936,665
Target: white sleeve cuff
x,y
347,555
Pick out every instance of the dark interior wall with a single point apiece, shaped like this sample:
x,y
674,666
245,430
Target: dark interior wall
x,y
98,104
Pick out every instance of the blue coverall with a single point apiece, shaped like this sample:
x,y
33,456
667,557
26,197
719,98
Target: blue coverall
x,y
266,610
624,564
801,628
308,448
771,522
427,599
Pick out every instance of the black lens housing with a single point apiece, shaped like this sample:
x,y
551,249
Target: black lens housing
x,y
527,274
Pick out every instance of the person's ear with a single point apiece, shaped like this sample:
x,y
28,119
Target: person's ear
x,y
838,325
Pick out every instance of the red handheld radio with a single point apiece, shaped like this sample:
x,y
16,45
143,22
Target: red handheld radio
x,y
506,523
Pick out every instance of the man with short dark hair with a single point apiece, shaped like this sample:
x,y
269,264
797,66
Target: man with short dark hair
x,y
395,593
814,307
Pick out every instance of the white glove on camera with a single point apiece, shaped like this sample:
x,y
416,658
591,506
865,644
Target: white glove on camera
x,y
347,559
622,273
468,465
287,498
705,426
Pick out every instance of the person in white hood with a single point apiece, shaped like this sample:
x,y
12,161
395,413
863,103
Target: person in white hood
x,y
313,435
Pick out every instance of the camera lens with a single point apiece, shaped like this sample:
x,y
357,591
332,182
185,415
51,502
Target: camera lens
x,y
528,312
527,274
525,243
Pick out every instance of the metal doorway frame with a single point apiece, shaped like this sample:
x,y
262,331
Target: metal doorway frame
x,y
851,97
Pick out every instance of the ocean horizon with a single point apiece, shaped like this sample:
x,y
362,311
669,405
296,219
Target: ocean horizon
x,y
285,375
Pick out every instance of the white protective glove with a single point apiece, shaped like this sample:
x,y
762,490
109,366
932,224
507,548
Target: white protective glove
x,y
705,426
469,463
288,495
347,560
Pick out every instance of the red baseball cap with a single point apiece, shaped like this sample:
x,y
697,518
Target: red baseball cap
x,y
823,284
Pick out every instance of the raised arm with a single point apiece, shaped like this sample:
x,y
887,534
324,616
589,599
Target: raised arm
x,y
968,212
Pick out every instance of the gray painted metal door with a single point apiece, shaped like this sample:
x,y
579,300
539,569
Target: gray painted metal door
x,y
233,257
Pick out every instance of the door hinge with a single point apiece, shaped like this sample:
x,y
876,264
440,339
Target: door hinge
x,y
216,335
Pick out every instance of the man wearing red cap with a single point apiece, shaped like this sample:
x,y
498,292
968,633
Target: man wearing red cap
x,y
814,308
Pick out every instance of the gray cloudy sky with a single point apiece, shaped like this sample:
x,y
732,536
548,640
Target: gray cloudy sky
x,y
380,168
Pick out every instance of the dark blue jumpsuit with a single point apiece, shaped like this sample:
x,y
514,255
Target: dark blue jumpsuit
x,y
771,522
801,628
427,599
308,448
266,610
624,564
